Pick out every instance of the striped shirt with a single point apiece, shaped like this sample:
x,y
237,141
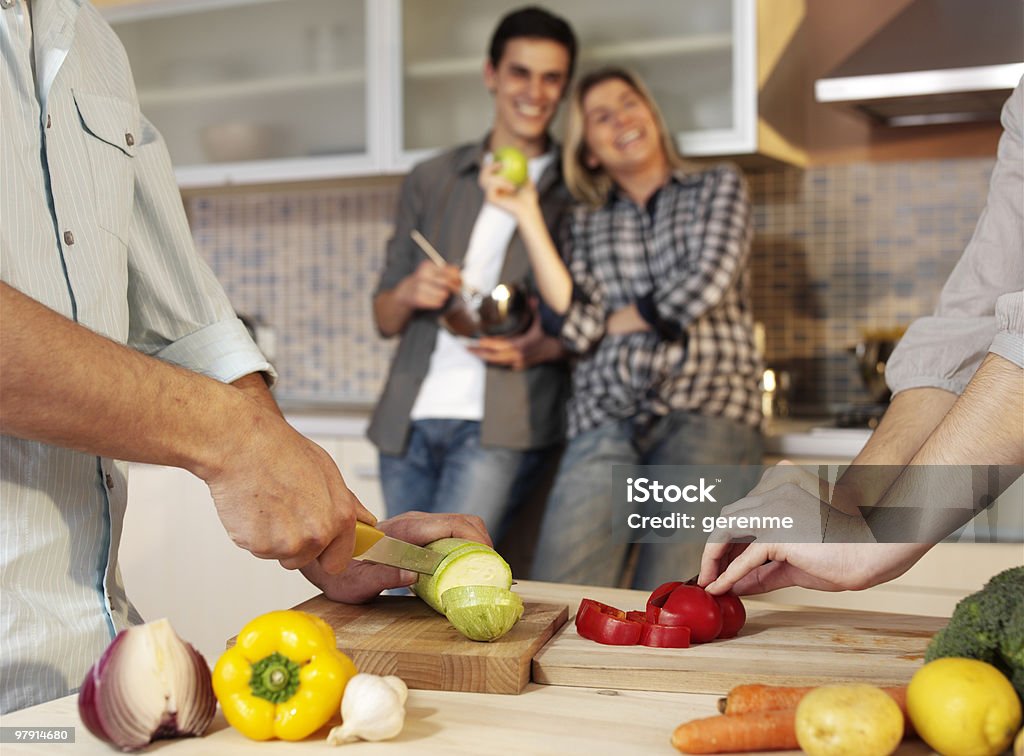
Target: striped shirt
x,y
92,226
683,262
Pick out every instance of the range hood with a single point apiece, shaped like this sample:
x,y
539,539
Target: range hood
x,y
938,61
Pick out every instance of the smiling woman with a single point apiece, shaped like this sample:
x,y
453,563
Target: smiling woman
x,y
655,305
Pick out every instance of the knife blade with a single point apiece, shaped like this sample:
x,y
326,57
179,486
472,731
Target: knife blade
x,y
373,546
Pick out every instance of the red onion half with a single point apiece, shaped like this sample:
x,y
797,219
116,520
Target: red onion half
x,y
149,684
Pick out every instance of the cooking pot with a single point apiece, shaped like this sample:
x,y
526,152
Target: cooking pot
x,y
504,311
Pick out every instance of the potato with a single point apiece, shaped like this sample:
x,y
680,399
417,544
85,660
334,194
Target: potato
x,y
848,720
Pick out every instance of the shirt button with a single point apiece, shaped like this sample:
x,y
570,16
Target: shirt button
x,y
129,139
47,120
69,238
110,482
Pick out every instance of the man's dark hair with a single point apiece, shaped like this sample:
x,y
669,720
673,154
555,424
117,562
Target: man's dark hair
x,y
536,23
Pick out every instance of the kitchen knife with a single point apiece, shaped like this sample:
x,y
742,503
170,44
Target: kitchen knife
x,y
373,546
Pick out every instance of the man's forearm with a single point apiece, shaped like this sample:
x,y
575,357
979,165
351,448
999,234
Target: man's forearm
x,y
391,312
906,425
984,427
254,386
63,384
908,422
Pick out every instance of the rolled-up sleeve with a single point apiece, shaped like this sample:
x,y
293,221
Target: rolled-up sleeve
x,y
222,350
1009,340
979,308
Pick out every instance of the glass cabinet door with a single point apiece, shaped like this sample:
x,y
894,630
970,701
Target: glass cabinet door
x,y
697,56
243,90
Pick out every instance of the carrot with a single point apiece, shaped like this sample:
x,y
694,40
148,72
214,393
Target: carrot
x,y
773,730
744,699
747,698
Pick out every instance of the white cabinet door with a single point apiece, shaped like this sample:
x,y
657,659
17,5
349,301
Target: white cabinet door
x,y
697,56
249,91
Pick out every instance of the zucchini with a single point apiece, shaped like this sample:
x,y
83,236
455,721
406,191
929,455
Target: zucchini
x,y
486,612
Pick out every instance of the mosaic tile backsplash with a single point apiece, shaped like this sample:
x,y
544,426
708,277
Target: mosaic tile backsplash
x,y
838,251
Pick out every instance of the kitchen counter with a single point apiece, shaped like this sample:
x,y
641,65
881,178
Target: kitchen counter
x,y
812,438
543,719
343,419
799,438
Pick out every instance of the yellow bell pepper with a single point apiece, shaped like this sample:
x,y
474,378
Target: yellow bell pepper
x,y
283,678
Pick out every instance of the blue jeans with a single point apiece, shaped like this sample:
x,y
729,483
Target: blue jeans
x,y
446,469
576,544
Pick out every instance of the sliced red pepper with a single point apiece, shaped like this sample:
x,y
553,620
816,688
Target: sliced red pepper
x,y
661,593
606,624
664,636
614,627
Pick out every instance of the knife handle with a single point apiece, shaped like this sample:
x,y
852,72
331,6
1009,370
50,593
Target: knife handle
x,y
366,536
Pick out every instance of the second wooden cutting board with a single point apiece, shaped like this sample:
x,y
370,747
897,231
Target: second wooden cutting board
x,y
400,635
777,646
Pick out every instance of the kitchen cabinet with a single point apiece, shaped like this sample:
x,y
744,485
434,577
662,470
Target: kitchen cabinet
x,y
317,89
256,91
711,66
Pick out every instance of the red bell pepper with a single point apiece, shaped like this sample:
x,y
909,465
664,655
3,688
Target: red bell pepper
x,y
676,614
614,627
664,636
606,624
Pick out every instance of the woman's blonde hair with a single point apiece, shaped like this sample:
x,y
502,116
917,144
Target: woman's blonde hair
x,y
591,185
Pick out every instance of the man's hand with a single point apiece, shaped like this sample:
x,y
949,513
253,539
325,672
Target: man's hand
x,y
429,286
518,352
849,560
763,567
736,557
280,496
426,288
362,581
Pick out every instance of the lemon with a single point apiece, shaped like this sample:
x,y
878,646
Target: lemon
x,y
848,720
963,707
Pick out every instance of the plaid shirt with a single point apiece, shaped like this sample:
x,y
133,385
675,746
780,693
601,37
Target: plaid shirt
x,y
683,262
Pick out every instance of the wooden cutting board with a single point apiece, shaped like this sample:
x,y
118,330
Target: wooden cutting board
x,y
778,646
400,635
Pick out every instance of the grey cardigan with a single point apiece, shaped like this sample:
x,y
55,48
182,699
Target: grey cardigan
x,y
523,409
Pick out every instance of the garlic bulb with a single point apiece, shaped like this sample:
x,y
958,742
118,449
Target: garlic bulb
x,y
373,708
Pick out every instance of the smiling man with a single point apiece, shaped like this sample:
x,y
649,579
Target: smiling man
x,y
463,426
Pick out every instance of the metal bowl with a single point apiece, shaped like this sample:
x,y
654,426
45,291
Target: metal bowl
x,y
505,311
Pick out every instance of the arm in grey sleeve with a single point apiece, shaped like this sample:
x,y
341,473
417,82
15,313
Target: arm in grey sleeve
x,y
945,349
1009,340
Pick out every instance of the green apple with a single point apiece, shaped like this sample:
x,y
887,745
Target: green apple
x,y
513,165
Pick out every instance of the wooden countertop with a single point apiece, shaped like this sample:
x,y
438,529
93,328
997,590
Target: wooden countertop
x,y
543,719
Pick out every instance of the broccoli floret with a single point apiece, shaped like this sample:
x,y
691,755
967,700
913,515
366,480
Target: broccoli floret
x,y
1011,649
989,625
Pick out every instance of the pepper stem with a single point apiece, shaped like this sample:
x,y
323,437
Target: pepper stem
x,y
274,678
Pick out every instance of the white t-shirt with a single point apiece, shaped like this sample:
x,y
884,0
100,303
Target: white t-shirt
x,y
454,385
